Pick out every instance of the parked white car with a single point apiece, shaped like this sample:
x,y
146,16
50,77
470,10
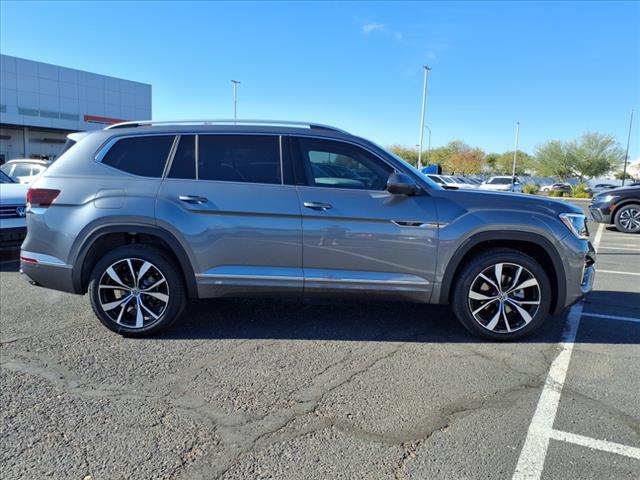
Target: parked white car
x,y
13,223
463,182
503,183
444,180
24,170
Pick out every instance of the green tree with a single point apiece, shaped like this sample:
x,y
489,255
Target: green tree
x,y
408,154
591,155
503,164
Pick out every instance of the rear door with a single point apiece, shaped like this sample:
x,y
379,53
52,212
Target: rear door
x,y
356,235
224,197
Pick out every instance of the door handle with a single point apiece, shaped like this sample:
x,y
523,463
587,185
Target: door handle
x,y
193,199
317,206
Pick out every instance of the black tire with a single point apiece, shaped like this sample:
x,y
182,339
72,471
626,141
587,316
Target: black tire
x,y
628,215
525,298
161,304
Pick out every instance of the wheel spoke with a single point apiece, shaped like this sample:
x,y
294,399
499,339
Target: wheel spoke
x,y
145,267
504,317
524,302
139,316
489,281
163,297
122,310
159,282
516,277
485,305
496,318
111,305
532,282
498,274
114,276
147,309
115,287
133,273
523,313
479,296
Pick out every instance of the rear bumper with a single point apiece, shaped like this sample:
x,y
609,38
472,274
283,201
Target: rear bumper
x,y
12,237
46,271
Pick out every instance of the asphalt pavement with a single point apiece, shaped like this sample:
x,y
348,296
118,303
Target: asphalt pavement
x,y
253,389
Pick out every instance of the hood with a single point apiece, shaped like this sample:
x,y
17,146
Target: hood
x,y
13,193
613,191
492,200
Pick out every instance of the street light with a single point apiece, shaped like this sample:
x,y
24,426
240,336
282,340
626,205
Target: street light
x,y
428,146
235,100
424,107
515,157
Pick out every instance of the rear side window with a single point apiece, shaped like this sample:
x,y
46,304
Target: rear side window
x,y
239,158
144,156
184,161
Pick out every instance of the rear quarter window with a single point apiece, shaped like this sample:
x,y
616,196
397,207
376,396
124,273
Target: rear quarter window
x,y
144,156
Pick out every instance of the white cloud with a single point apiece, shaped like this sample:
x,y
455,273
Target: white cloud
x,y
368,28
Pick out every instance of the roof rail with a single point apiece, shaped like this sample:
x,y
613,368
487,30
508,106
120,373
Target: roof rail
x,y
144,123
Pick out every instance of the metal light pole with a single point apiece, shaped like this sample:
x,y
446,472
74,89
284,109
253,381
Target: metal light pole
x,y
626,155
428,146
235,100
515,157
424,107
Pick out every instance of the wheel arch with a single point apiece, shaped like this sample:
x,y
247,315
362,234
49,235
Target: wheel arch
x,y
623,203
115,235
532,244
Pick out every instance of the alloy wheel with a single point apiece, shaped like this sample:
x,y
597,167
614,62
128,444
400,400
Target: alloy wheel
x,y
133,292
504,297
630,219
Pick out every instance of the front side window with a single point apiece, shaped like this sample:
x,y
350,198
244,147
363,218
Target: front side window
x,y
144,156
342,165
239,158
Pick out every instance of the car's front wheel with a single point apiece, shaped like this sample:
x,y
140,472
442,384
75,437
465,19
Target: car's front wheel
x,y
502,294
136,290
627,219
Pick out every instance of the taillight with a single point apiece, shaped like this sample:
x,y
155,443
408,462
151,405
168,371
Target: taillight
x,y
41,197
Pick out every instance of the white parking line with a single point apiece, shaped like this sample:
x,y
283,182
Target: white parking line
x,y
612,317
617,272
603,445
636,249
534,450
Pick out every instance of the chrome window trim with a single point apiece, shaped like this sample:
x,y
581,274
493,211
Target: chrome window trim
x,y
197,155
172,154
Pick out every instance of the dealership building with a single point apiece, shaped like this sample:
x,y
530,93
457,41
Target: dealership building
x,y
41,103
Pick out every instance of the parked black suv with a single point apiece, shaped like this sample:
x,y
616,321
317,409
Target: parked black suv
x,y
619,206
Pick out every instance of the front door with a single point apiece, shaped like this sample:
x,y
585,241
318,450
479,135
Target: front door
x,y
223,196
356,235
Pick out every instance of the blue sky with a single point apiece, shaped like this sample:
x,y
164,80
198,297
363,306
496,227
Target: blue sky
x,y
561,69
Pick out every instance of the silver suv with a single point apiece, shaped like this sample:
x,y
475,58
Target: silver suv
x,y
145,215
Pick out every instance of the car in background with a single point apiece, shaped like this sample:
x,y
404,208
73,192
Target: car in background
x,y
502,183
619,206
13,223
599,187
557,187
463,182
24,170
444,181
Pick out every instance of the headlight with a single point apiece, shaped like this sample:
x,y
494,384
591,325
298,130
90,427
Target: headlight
x,y
606,198
577,223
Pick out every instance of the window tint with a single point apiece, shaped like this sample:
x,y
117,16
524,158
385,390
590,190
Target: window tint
x,y
341,165
143,156
184,161
239,158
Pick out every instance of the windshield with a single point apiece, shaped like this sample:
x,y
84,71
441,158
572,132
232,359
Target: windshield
x,y
4,178
500,181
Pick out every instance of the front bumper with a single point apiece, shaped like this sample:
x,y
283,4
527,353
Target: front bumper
x,y
12,237
600,213
579,258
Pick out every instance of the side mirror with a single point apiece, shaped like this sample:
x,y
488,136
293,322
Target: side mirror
x,y
402,184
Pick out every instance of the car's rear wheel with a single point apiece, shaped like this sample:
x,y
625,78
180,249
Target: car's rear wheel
x,y
627,219
502,294
136,290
